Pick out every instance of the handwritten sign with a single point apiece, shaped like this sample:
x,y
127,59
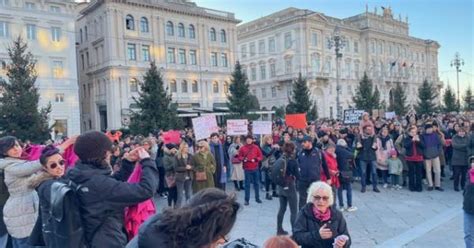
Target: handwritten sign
x,y
390,115
204,126
237,127
262,127
352,116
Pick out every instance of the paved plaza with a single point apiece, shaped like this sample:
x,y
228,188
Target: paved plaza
x,y
388,219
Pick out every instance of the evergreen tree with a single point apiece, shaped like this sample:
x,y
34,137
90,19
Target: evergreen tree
x,y
426,99
468,100
449,101
280,112
366,98
300,102
376,99
19,112
155,107
313,112
398,101
240,101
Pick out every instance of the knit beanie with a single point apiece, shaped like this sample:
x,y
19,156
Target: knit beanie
x,y
92,145
321,134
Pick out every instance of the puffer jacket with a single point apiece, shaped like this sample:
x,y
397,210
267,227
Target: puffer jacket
x,y
460,151
21,209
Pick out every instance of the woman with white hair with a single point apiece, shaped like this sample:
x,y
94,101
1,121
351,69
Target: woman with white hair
x,y
318,224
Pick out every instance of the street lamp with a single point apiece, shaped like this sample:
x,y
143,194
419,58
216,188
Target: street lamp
x,y
457,62
337,41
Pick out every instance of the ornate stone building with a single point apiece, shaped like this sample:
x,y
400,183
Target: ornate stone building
x,y
48,28
192,46
275,48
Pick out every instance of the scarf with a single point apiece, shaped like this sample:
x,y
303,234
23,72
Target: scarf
x,y
384,141
323,217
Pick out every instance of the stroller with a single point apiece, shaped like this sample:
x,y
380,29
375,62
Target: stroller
x,y
240,243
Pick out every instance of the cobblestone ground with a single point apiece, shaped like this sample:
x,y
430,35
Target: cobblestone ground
x,y
389,219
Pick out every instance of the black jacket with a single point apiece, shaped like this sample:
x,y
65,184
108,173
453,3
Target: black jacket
x,y
104,199
306,228
468,204
366,152
310,163
344,155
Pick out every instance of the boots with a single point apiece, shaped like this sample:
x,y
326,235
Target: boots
x,y
281,232
236,185
268,196
241,183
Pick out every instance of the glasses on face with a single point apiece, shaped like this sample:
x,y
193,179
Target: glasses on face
x,y
318,198
59,163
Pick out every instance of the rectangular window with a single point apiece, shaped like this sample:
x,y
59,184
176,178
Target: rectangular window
x,y
30,6
372,47
3,29
58,70
195,87
272,70
133,84
254,92
224,59
55,9
264,93
288,65
82,61
4,3
171,56
274,91
314,39
252,49
59,98
214,59
56,34
263,72
261,47
288,40
271,45
192,57
146,53
31,31
182,56
243,50
253,73
131,51
87,60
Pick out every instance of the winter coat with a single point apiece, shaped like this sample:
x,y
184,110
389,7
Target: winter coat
x,y
331,162
169,162
468,204
433,146
367,152
180,170
414,149
238,173
312,165
204,162
250,152
395,166
217,151
306,228
383,154
344,157
102,205
21,209
460,156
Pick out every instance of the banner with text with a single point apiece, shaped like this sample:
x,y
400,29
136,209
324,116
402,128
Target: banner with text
x,y
237,127
262,127
352,116
204,126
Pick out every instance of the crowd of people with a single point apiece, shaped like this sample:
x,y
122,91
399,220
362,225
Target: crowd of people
x,y
110,178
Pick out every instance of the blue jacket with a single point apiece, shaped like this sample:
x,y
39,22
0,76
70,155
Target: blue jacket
x,y
432,145
310,163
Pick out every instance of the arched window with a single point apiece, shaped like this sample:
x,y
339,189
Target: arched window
x,y
173,86
192,32
133,85
195,86
226,87
184,86
215,87
80,35
130,22
223,37
181,30
169,28
144,25
212,34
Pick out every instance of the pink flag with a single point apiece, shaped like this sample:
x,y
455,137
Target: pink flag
x,y
172,136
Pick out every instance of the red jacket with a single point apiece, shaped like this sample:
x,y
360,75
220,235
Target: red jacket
x,y
331,161
250,155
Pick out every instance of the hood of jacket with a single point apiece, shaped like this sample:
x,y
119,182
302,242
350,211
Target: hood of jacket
x,y
37,179
83,172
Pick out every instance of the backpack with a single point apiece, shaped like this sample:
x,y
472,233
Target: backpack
x,y
4,194
279,172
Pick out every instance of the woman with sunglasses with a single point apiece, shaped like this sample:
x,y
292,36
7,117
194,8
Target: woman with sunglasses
x,y
204,222
319,224
204,167
21,209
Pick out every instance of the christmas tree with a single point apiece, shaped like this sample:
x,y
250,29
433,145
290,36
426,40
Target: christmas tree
x,y
426,99
300,102
156,110
398,101
449,101
468,100
19,97
366,98
313,112
240,101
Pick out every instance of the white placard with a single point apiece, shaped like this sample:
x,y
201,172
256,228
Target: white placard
x,y
390,115
237,127
204,126
262,127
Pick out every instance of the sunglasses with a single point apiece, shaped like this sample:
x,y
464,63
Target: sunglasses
x,y
318,198
60,163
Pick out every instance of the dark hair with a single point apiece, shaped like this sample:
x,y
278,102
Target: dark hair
x,y
288,148
209,215
6,143
47,152
214,134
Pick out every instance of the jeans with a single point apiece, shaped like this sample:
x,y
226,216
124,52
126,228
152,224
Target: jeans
x,y
172,196
460,174
469,230
4,240
384,174
20,243
303,192
252,176
435,165
348,187
287,197
415,173
395,179
369,167
185,186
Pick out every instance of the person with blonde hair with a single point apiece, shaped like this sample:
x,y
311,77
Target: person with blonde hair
x,y
280,242
318,223
184,175
237,175
204,167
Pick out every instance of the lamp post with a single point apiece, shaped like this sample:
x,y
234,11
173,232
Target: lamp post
x,y
337,41
457,62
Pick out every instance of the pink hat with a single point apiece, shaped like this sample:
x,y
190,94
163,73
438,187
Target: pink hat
x,y
393,152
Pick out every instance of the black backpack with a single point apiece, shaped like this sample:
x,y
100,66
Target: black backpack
x,y
279,172
4,194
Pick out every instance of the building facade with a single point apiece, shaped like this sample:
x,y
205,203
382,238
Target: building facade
x,y
48,29
275,48
192,46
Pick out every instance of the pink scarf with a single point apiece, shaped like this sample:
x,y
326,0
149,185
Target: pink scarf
x,y
471,175
320,215
137,214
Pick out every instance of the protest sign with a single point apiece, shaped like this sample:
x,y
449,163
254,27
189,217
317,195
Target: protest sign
x,y
352,116
172,137
237,127
262,127
204,126
297,121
